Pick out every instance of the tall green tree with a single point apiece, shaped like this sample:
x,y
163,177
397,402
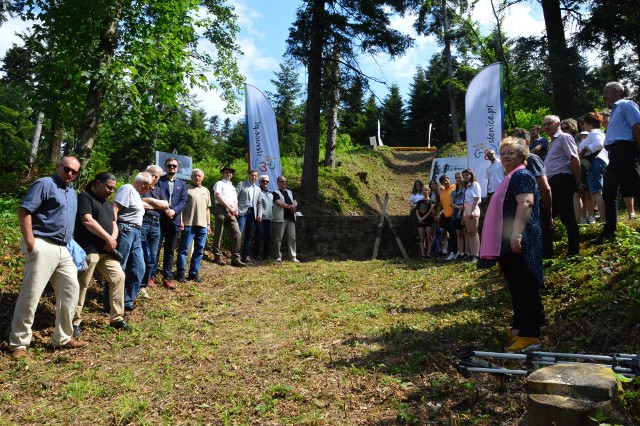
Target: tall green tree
x,y
288,110
140,52
448,21
351,114
392,115
364,26
418,109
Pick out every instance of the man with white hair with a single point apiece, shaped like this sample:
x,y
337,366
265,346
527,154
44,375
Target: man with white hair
x,y
196,218
563,172
622,142
265,218
155,205
128,210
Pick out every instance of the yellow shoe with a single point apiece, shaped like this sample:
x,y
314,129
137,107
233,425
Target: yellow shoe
x,y
524,344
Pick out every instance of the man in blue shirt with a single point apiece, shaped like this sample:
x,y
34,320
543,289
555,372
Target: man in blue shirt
x,y
539,144
47,217
622,141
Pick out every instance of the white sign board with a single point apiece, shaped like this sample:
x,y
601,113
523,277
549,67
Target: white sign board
x,y
447,166
184,163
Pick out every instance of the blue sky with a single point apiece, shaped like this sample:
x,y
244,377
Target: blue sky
x,y
265,28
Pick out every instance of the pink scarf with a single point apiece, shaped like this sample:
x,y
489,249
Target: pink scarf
x,y
492,226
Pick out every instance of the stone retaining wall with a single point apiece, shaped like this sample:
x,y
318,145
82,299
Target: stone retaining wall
x,y
352,237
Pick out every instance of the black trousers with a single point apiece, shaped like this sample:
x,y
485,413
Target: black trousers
x,y
528,312
168,238
563,186
623,171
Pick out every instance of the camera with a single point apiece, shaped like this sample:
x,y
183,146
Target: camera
x,y
116,255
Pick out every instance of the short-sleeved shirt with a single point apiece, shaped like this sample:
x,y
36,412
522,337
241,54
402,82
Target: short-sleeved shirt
x,y
423,206
53,206
535,165
132,208
198,204
624,115
414,198
102,212
157,193
445,200
522,182
495,176
472,191
544,143
562,149
227,191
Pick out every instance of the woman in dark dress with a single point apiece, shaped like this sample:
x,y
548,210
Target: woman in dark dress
x,y
512,236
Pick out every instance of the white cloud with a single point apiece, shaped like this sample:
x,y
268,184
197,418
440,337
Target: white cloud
x,y
247,18
9,33
520,20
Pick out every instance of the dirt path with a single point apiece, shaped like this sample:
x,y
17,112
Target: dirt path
x,y
407,167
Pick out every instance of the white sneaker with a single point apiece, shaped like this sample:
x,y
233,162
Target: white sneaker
x,y
591,220
451,256
294,260
142,293
278,259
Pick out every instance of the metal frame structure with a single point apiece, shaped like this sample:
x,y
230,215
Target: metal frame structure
x,y
472,361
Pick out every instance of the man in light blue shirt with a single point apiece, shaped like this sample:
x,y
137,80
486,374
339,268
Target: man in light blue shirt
x,y
623,144
47,218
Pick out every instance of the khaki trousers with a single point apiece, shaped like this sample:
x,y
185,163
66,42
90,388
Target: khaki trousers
x,y
48,262
231,226
286,228
111,271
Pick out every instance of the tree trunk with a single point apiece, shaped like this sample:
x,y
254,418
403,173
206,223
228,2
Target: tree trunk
x,y
455,126
98,86
35,142
55,150
310,188
332,111
562,74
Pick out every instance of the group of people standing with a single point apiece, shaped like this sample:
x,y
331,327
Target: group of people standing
x,y
67,237
446,216
577,168
265,218
520,214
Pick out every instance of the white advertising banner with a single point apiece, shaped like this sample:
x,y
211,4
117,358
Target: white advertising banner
x,y
484,114
262,135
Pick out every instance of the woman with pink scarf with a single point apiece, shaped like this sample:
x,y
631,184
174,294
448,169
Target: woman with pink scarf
x,y
512,236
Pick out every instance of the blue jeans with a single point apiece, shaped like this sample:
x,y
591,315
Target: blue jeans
x,y
266,233
151,236
130,246
197,234
247,222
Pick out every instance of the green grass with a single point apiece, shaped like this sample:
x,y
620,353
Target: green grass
x,y
317,343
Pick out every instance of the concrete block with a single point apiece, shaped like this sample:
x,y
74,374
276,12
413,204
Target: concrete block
x,y
572,394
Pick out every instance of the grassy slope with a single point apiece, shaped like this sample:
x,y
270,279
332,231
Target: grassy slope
x,y
316,343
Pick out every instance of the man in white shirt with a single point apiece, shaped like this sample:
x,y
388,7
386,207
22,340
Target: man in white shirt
x,y
495,174
563,172
248,197
226,214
